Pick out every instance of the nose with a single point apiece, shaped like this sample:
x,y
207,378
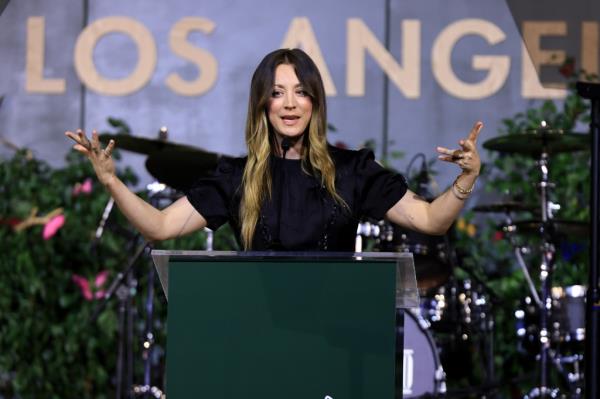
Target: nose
x,y
289,101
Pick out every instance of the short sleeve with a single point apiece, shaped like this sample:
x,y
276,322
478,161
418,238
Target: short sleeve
x,y
379,188
213,196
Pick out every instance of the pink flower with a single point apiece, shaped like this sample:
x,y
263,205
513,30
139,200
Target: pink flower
x,y
52,226
99,282
84,286
101,278
83,188
86,289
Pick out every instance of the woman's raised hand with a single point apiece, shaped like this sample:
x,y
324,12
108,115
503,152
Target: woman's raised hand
x,y
467,158
101,158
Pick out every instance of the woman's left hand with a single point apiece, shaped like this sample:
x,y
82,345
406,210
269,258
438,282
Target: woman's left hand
x,y
467,158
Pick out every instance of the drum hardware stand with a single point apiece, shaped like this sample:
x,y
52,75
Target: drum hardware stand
x,y
546,268
510,230
546,356
124,287
571,378
487,344
147,346
591,91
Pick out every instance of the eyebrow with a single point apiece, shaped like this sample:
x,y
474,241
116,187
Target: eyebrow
x,y
283,87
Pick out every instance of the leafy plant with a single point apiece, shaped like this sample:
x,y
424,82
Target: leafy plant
x,y
52,275
49,347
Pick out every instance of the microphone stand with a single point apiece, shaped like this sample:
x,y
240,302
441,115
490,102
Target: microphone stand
x,y
591,91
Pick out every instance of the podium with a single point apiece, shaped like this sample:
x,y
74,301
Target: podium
x,y
285,325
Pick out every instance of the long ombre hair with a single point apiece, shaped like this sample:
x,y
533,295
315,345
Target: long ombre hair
x,y
261,141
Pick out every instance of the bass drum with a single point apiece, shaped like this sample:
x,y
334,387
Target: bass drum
x,y
423,374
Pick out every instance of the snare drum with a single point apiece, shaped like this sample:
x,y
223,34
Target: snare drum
x,y
422,371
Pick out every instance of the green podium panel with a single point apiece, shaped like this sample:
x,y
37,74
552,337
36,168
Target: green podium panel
x,y
270,326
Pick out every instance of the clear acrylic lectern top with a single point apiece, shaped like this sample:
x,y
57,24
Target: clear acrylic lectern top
x,y
407,295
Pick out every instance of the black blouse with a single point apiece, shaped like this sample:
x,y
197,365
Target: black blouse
x,y
301,215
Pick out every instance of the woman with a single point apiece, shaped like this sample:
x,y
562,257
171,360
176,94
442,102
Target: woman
x,y
293,191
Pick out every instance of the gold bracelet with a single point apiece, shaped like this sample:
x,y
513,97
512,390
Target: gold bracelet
x,y
462,190
454,190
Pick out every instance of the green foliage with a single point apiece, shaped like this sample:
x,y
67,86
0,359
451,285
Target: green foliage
x,y
49,348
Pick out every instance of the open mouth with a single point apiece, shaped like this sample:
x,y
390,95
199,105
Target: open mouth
x,y
290,119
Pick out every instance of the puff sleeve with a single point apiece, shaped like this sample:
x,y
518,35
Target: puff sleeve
x,y
379,189
214,196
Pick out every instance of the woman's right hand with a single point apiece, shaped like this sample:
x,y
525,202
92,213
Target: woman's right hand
x,y
101,158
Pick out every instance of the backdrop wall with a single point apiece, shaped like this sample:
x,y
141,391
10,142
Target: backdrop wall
x,y
187,65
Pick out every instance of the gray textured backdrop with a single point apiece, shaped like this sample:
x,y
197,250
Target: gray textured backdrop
x,y
245,31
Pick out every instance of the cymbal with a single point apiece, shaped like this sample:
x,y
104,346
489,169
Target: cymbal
x,y
505,207
180,168
535,141
143,145
561,227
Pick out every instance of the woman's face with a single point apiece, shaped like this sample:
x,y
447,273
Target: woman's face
x,y
290,107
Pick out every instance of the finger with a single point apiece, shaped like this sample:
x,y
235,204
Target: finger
x,y
73,136
467,145
475,131
95,142
83,140
444,150
109,148
447,158
80,148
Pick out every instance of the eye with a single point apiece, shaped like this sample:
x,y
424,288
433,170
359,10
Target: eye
x,y
302,93
276,93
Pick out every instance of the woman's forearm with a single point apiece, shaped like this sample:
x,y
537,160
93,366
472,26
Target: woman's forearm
x,y
444,210
143,216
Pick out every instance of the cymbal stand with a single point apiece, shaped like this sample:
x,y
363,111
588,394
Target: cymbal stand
x,y
546,269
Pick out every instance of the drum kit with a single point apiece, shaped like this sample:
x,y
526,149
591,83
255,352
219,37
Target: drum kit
x,y
550,322
559,311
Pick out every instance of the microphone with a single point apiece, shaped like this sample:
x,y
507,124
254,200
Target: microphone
x,y
286,143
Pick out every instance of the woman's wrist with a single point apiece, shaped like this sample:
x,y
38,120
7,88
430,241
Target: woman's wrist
x,y
463,189
108,181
